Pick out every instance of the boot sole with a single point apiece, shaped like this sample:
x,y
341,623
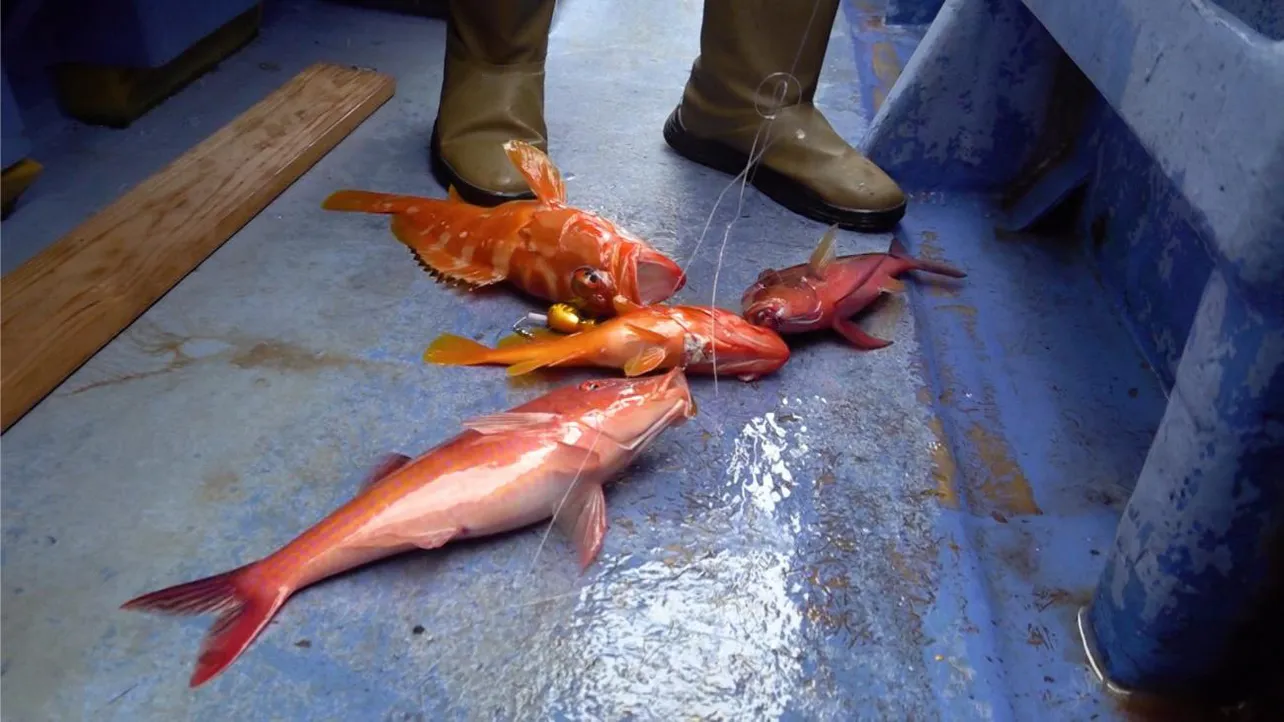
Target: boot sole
x,y
776,186
447,177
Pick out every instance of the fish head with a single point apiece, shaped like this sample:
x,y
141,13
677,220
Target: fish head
x,y
644,275
629,409
782,306
740,348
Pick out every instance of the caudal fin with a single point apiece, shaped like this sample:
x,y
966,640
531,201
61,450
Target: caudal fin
x,y
244,606
375,202
451,350
898,250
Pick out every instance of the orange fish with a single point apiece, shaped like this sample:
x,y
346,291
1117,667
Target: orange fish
x,y
701,339
534,244
546,458
826,292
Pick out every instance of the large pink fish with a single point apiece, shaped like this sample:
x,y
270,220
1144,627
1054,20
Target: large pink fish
x,y
546,458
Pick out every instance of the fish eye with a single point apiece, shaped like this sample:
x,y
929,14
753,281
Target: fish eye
x,y
590,386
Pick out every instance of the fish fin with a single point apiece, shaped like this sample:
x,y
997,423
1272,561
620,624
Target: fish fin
x,y
517,340
387,466
857,336
451,350
623,305
550,353
897,250
892,285
244,607
824,253
508,421
453,196
438,259
434,538
584,520
644,361
376,202
646,334
538,170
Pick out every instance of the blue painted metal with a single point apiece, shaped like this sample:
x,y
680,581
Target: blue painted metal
x,y
1189,161
139,33
1199,541
912,12
15,145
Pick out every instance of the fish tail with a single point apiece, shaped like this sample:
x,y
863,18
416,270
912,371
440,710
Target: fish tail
x,y
243,601
375,202
451,350
898,250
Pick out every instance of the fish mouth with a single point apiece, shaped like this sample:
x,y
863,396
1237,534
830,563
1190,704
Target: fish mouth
x,y
655,277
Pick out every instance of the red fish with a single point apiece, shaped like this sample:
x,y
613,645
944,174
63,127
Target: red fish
x,y
638,339
546,458
534,244
826,292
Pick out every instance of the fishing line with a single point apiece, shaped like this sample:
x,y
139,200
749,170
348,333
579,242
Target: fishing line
x,y
769,115
574,481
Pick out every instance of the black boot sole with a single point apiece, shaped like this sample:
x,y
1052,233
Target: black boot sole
x,y
776,186
448,178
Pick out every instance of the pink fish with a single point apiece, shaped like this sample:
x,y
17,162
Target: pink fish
x,y
826,292
547,458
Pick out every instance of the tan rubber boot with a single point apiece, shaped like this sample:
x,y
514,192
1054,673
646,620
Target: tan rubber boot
x,y
492,92
747,51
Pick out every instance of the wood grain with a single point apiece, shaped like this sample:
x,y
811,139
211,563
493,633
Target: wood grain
x,y
62,306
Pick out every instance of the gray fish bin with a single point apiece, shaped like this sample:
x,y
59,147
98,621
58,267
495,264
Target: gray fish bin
x,y
1055,496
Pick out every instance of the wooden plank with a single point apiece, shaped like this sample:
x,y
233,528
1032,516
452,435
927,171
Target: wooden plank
x,y
63,305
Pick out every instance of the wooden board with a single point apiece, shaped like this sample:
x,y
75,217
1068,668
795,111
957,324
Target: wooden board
x,y
59,308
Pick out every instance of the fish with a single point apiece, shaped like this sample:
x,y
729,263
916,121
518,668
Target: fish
x,y
535,245
827,291
549,457
637,339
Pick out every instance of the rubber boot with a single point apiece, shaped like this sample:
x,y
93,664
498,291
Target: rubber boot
x,y
492,91
755,78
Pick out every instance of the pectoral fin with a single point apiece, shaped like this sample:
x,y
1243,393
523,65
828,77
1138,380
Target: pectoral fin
x,y
508,421
647,334
584,520
646,360
892,285
623,305
857,336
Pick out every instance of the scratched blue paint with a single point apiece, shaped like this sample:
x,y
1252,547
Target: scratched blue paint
x,y
912,12
942,126
1170,216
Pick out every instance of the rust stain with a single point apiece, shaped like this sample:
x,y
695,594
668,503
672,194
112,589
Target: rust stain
x,y
1040,636
282,356
1005,488
240,352
945,468
931,250
887,68
826,479
219,486
968,313
1045,597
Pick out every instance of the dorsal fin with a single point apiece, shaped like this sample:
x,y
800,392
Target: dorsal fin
x,y
538,170
824,253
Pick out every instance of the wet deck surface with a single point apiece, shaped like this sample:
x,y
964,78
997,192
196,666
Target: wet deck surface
x,y
901,534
